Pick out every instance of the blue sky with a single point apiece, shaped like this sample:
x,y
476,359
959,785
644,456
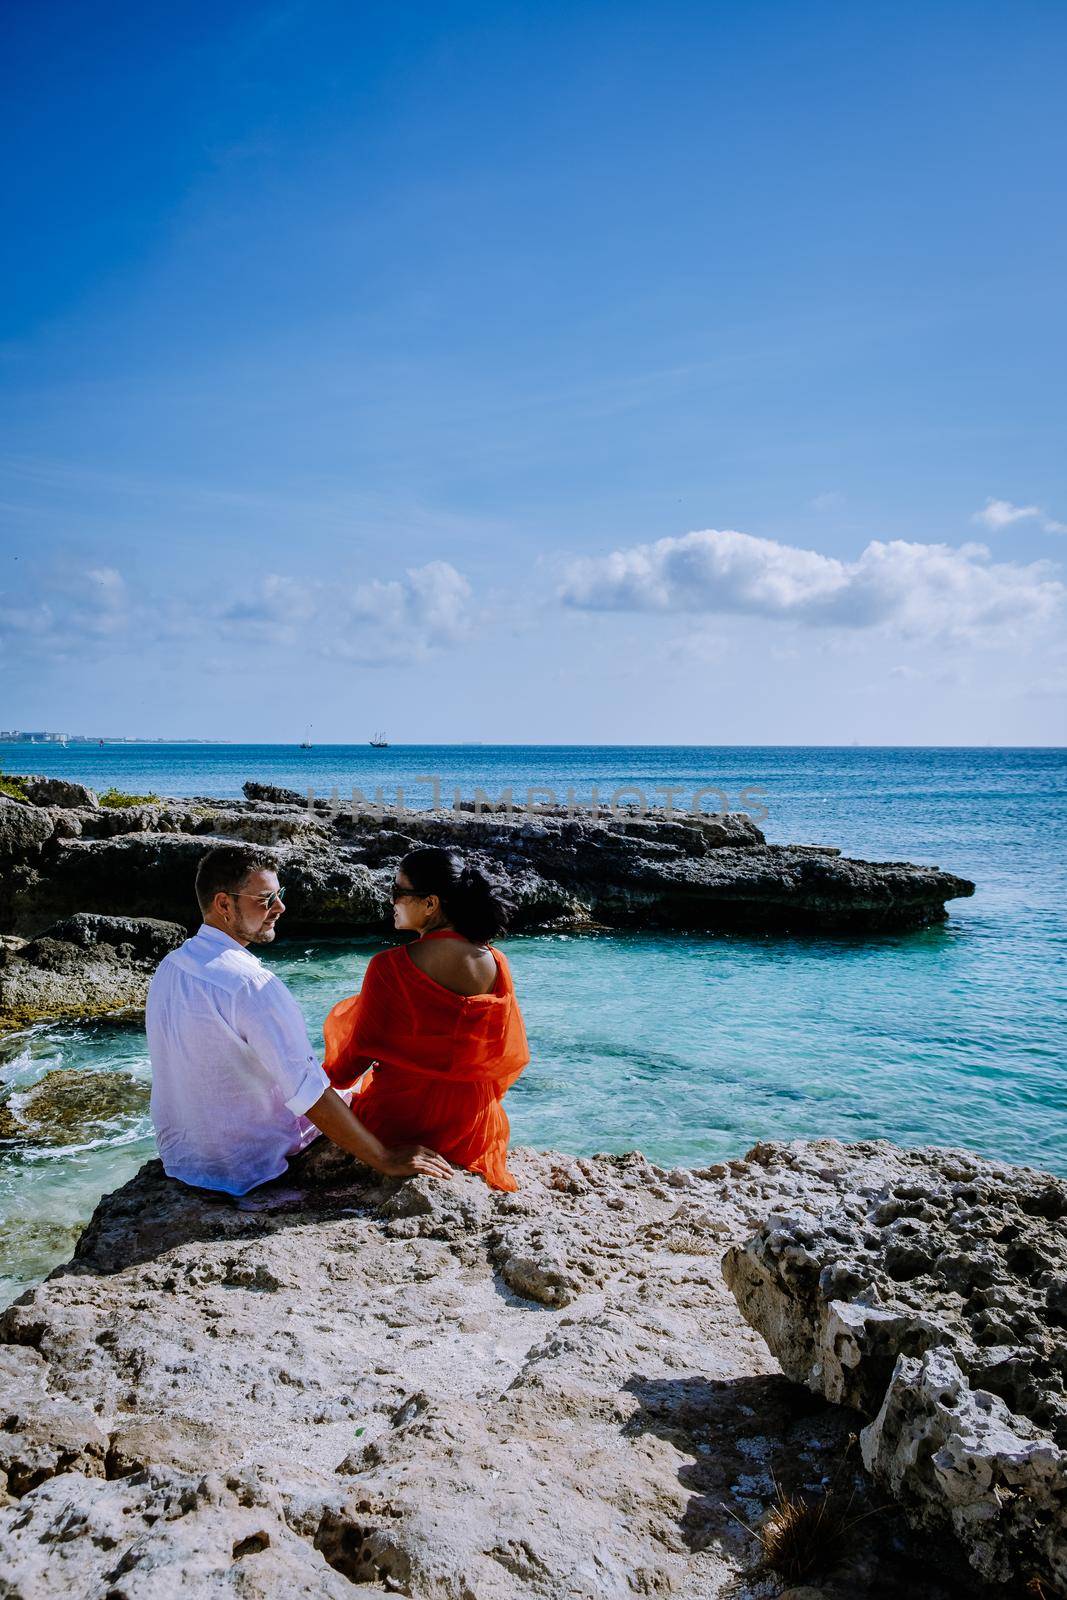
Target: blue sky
x,y
586,372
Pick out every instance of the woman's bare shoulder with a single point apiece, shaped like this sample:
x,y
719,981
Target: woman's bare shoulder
x,y
463,967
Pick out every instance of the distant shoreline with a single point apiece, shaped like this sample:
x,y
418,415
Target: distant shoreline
x,y
85,742
480,744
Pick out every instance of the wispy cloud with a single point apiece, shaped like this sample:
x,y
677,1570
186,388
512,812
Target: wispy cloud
x,y
427,609
997,514
90,611
916,590
81,605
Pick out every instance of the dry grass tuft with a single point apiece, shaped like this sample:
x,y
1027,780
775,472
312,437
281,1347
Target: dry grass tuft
x,y
1039,1590
798,1537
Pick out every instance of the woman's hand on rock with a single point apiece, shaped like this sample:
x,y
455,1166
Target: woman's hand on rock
x,y
406,1160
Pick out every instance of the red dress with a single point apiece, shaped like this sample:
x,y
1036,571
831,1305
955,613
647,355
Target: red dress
x,y
442,1062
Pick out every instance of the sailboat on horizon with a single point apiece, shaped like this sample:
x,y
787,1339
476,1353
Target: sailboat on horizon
x,y
379,742
305,743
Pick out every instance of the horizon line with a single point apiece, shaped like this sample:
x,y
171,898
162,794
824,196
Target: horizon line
x,y
492,744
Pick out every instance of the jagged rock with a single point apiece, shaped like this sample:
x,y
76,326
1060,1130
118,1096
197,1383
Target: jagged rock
x,y
84,966
925,1289
271,827
275,794
68,1104
59,792
682,871
24,830
331,1382
945,1449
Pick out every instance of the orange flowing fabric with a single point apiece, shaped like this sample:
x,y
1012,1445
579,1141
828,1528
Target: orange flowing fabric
x,y
442,1062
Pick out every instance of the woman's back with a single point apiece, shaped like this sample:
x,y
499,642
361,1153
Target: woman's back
x,y
455,962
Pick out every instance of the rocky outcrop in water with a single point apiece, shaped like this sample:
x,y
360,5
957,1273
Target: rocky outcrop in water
x,y
70,1105
58,792
427,1389
930,1294
85,966
678,871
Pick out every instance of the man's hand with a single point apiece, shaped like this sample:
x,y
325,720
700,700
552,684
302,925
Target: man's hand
x,y
339,1123
405,1160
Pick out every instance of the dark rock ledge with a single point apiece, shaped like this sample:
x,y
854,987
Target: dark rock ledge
x,y
130,874
86,966
438,1391
684,871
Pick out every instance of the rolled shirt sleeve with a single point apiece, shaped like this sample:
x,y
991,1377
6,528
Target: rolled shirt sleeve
x,y
269,1020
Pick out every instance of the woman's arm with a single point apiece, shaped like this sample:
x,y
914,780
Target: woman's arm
x,y
345,1028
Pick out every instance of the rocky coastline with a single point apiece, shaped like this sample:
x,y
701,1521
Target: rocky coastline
x,y
436,1390
64,856
610,1383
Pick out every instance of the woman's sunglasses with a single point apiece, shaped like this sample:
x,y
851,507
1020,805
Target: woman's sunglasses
x,y
403,894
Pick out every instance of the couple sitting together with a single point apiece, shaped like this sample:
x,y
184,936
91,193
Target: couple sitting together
x,y
416,1063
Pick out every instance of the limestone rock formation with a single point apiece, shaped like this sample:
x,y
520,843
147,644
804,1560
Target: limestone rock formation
x,y
85,966
69,1105
678,871
421,1388
926,1289
60,792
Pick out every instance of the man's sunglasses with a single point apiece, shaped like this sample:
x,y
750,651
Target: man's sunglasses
x,y
268,901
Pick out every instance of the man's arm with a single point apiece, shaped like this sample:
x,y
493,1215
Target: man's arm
x,y
333,1118
270,1020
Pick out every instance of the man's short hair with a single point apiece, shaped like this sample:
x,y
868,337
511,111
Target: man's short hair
x,y
228,867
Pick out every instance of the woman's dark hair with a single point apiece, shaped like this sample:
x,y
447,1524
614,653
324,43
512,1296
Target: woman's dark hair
x,y
475,907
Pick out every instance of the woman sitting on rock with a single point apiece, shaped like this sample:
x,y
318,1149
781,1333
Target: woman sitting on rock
x,y
436,1021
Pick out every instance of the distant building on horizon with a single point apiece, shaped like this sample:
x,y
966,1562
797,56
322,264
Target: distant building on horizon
x,y
18,736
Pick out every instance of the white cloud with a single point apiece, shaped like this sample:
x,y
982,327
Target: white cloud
x,y
84,609
78,608
997,514
276,602
373,622
913,589
428,609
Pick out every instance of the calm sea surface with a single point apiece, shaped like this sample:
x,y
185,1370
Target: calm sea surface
x,y
689,1047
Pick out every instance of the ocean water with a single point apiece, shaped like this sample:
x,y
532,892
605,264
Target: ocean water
x,y
689,1047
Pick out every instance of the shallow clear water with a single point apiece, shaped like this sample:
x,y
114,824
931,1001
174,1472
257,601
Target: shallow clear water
x,y
692,1047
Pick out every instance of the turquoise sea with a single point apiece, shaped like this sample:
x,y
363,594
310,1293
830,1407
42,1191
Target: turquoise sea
x,y
688,1047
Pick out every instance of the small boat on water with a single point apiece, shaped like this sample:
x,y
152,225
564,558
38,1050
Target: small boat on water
x,y
379,742
305,743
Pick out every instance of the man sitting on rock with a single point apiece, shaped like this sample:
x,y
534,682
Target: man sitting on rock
x,y
236,1087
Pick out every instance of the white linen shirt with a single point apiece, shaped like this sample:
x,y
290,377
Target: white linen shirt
x,y
232,1066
